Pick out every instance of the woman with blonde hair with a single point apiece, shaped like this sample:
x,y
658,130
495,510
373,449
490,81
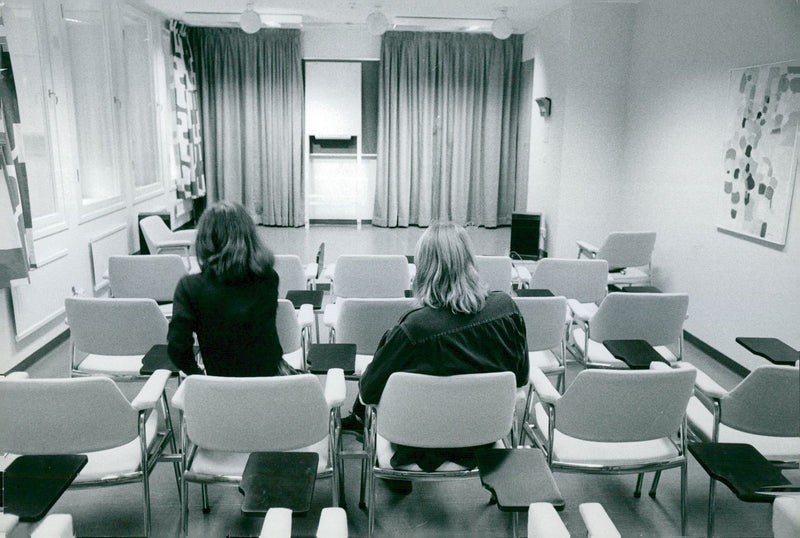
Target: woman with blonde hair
x,y
459,328
231,304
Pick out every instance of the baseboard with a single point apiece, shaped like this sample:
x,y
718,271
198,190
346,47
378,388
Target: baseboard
x,y
39,353
718,356
339,222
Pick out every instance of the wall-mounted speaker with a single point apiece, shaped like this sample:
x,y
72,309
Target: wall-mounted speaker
x,y
544,106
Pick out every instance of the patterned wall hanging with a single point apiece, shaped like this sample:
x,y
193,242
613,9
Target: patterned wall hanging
x,y
16,234
187,137
761,151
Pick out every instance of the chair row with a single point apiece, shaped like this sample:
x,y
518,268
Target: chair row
x,y
607,421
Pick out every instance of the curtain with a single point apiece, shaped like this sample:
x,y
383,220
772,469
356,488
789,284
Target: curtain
x,y
251,96
16,234
187,139
447,129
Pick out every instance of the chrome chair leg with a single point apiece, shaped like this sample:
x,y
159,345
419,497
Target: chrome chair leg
x,y
638,491
204,494
655,484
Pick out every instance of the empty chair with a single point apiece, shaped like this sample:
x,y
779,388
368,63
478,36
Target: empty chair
x,y
617,422
367,276
111,336
655,317
294,327
315,269
87,416
544,331
224,419
743,415
628,255
291,272
161,240
582,282
364,321
154,277
496,272
436,412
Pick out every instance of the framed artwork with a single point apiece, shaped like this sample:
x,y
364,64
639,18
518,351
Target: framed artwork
x,y
760,163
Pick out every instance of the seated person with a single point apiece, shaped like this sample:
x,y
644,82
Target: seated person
x,y
231,305
458,329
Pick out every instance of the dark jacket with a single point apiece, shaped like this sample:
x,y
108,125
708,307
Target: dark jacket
x,y
439,342
234,323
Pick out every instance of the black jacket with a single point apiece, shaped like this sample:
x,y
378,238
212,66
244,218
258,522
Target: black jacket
x,y
235,326
439,342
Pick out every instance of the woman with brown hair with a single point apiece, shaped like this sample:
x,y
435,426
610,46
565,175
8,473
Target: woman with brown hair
x,y
231,304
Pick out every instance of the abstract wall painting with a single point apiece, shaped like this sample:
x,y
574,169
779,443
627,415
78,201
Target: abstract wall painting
x,y
762,147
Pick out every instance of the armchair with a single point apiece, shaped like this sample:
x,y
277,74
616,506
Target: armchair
x,y
617,422
436,412
224,419
627,253
155,277
655,317
87,416
161,240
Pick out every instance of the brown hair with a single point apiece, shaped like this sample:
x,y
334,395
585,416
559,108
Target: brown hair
x,y
228,245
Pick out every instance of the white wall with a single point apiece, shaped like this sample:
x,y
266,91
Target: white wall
x,y
683,52
581,58
339,43
638,95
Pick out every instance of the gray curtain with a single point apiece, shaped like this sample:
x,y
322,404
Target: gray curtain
x,y
251,96
447,129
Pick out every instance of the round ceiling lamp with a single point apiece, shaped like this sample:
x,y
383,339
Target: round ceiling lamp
x,y
502,27
377,23
250,21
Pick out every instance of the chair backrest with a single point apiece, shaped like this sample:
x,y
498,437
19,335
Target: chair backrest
x,y
447,411
64,416
583,280
290,272
320,259
115,326
379,275
154,276
655,317
545,319
155,232
495,272
288,327
627,249
748,408
625,405
364,321
255,414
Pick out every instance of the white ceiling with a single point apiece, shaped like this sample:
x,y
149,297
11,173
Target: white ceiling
x,y
523,13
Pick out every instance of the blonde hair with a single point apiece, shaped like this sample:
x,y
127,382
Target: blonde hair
x,y
446,274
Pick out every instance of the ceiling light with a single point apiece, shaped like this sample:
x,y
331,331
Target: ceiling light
x,y
377,23
250,21
502,27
